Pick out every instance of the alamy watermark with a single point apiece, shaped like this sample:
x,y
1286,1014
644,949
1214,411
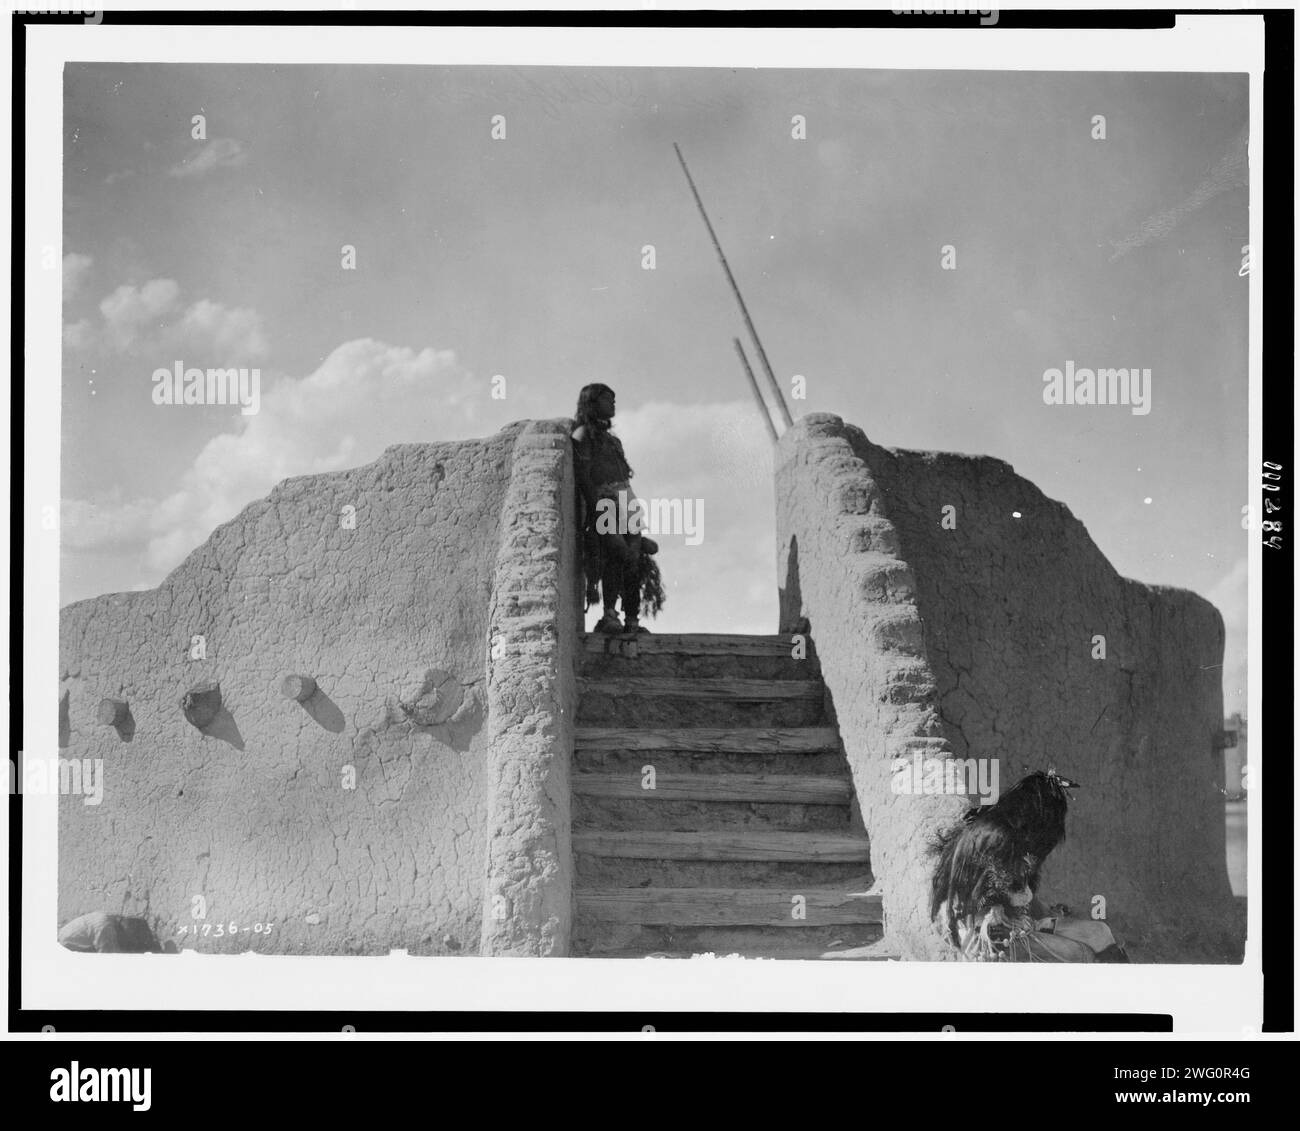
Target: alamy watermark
x,y
90,16
963,777
1098,387
630,515
988,16
101,1085
83,777
179,385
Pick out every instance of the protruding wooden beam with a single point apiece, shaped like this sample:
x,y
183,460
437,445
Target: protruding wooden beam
x,y
111,712
299,688
202,704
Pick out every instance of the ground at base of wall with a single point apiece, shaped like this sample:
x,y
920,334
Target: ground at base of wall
x,y
1171,949
1197,942
875,952
1194,939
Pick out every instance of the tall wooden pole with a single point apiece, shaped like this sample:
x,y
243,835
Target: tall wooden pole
x,y
753,384
749,324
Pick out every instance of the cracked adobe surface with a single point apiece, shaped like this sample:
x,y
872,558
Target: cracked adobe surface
x,y
390,619
978,641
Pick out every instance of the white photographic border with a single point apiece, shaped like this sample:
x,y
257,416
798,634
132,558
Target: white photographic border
x,y
1224,1000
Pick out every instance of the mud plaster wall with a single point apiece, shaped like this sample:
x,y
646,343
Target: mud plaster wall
x,y
532,697
391,620
979,641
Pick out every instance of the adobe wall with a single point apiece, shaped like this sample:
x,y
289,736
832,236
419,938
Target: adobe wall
x,y
356,821
978,641
532,696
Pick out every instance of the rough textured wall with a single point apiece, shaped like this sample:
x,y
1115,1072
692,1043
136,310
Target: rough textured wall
x,y
844,570
532,698
390,618
982,637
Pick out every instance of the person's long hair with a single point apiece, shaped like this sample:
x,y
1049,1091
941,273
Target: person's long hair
x,y
586,412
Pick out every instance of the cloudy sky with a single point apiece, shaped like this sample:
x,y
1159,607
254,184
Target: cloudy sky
x,y
522,257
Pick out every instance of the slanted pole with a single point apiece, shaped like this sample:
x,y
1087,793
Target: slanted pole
x,y
753,384
735,289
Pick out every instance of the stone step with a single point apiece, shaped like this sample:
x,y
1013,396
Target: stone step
x,y
722,703
757,949
702,656
711,802
848,941
713,907
693,644
793,789
803,847
719,740
633,872
618,814
728,690
699,762
711,860
650,711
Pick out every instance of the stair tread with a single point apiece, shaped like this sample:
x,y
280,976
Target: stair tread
x,y
729,845
872,953
700,644
723,740
723,688
740,895
710,907
794,789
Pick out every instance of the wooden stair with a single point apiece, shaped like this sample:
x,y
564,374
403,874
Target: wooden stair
x,y
804,847
713,808
699,907
787,789
712,740
732,690
690,644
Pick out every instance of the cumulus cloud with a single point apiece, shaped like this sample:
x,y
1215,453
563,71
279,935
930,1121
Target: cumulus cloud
x,y
130,310
219,153
109,524
78,335
365,396
228,331
75,269
151,317
718,455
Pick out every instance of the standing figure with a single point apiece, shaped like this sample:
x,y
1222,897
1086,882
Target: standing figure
x,y
616,554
